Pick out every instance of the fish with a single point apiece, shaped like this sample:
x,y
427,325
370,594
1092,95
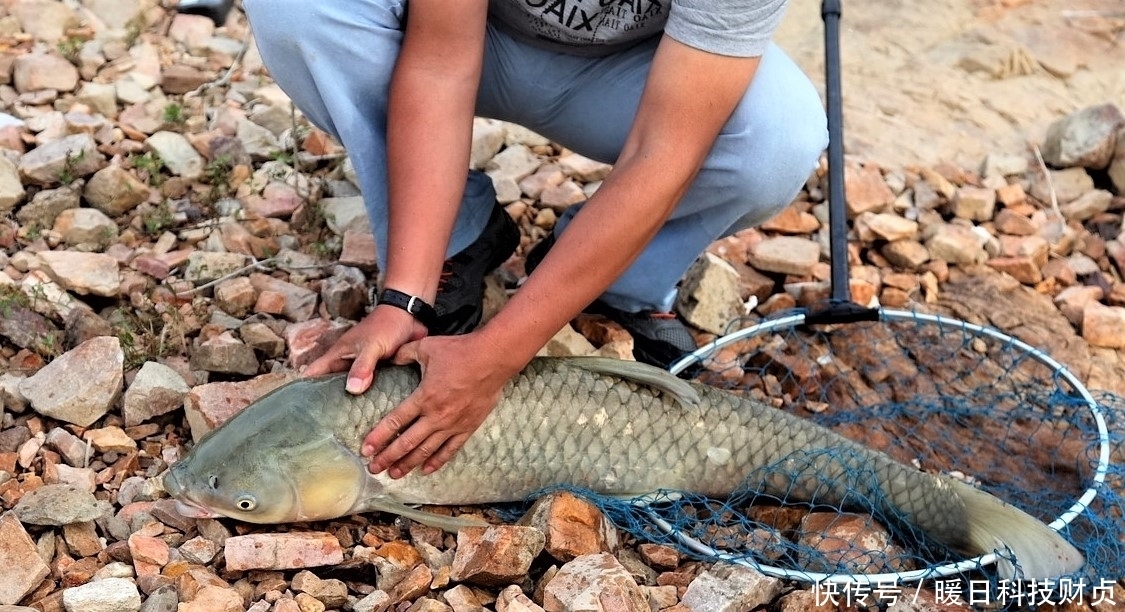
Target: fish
x,y
611,426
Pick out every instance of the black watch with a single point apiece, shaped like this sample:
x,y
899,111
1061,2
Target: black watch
x,y
416,306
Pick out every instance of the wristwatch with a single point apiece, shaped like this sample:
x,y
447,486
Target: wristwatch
x,y
416,306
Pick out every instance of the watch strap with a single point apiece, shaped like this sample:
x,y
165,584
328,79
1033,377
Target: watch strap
x,y
416,306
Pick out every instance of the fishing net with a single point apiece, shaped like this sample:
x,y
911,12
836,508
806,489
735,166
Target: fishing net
x,y
941,394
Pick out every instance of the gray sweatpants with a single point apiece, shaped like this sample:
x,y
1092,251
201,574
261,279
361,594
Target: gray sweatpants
x,y
334,58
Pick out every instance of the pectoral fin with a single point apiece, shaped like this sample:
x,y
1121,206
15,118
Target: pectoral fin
x,y
447,523
642,374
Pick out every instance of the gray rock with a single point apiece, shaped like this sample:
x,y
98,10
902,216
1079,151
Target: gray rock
x,y
1086,138
38,71
957,244
709,296
115,191
59,504
262,338
106,595
225,355
584,583
74,450
80,385
157,389
785,255
206,266
1068,185
1001,164
1088,205
179,157
345,213
61,160
344,293
163,599
513,163
300,303
86,229
256,140
46,205
730,588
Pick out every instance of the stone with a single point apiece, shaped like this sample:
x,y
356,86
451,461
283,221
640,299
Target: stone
x,y
282,551
11,187
1085,138
24,569
1103,326
236,296
730,588
262,338
594,583
567,342
1004,164
709,296
1088,205
849,543
106,595
1067,185
956,244
378,601
345,213
1013,223
149,554
115,191
866,190
259,142
110,439
181,78
57,505
79,386
300,303
198,550
488,138
1072,301
38,71
279,200
785,255
558,198
496,555
225,354
906,254
1011,195
583,169
513,163
792,221
46,205
177,154
659,556
344,294
462,599
73,449
83,273
1023,269
61,160
156,389
974,203
332,593
358,250
214,598
82,538
572,526
208,406
206,266
887,226
1117,166
85,229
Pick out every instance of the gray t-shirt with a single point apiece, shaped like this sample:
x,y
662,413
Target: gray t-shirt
x,y
739,28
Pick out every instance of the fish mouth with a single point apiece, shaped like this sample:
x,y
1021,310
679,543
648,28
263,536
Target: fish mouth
x,y
184,505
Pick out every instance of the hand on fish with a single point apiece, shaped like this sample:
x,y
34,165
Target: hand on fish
x,y
433,423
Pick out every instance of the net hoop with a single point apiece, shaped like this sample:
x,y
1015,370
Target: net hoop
x,y
939,571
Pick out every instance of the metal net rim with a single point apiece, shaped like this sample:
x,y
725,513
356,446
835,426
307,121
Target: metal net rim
x,y
795,319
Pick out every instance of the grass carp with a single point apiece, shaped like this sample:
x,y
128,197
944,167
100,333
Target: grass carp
x,y
616,427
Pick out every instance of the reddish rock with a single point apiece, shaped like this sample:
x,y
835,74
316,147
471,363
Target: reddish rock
x,y
866,190
571,525
309,340
848,543
23,568
207,406
282,551
497,555
594,583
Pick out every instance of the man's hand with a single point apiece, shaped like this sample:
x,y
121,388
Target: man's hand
x,y
362,347
460,387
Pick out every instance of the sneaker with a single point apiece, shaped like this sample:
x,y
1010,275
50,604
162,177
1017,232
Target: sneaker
x,y
460,297
659,338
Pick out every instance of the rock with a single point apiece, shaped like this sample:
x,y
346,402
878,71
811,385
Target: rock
x,y
1088,205
346,213
906,254
730,588
24,569
572,526
83,273
73,449
236,296
115,191
259,142
1067,184
488,138
11,187
225,354
558,198
462,599
358,250
378,601
594,583
207,406
849,543
885,226
567,342
177,154
206,266
1117,166
45,21
659,556
785,255
110,439
1011,195
974,203
956,244
1085,138
149,554
80,385
709,296
181,78
38,71
582,168
106,595
413,585
262,338
1104,326
85,229
61,160
46,205
1023,269
497,555
792,221
1002,164
279,200
513,163
332,593
344,294
282,551
157,389
214,598
58,505
866,190
300,303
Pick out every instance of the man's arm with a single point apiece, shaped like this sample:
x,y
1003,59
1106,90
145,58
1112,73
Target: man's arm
x,y
689,96
429,133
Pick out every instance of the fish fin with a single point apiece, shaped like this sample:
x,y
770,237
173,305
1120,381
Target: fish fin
x,y
642,374
1038,551
451,524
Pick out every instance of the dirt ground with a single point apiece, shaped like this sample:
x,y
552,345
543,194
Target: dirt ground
x,y
952,80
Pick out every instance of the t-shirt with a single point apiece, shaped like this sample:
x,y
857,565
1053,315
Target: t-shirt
x,y
739,28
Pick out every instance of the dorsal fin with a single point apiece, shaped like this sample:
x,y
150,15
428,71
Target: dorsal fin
x,y
642,374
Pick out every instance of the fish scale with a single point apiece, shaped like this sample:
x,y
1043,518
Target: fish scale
x,y
616,428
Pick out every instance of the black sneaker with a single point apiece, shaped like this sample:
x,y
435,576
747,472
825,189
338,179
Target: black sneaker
x,y
659,338
460,297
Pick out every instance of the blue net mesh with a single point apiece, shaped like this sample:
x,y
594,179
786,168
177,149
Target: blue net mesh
x,y
945,397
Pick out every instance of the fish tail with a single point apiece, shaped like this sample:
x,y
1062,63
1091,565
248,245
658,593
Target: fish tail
x,y
1026,546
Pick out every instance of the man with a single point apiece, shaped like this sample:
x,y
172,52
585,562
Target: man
x,y
660,88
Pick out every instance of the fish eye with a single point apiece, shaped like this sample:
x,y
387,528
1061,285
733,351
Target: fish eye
x,y
246,503
213,481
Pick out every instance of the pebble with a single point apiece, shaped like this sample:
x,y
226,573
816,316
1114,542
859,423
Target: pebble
x,y
58,505
106,595
79,386
207,406
593,582
571,526
156,389
495,556
24,569
730,588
